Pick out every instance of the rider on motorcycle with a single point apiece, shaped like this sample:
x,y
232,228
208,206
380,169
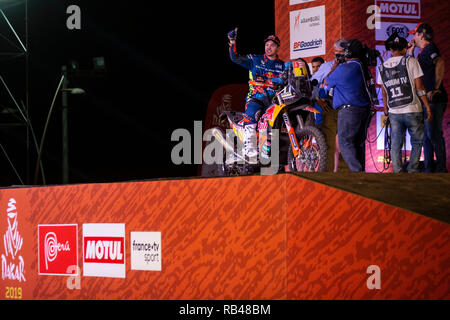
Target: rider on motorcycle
x,y
266,77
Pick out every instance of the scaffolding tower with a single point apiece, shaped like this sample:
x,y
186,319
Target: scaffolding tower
x,y
14,107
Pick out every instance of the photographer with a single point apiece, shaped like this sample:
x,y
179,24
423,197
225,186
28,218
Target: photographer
x,y
401,78
351,99
327,119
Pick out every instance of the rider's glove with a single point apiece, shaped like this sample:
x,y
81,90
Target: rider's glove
x,y
232,34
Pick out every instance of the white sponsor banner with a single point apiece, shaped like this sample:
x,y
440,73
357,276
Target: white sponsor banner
x,y
292,2
145,251
104,250
388,28
307,32
407,9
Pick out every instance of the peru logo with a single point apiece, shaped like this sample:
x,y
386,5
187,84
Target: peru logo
x,y
58,248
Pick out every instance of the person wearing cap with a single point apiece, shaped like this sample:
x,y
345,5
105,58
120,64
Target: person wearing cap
x,y
403,91
266,77
352,101
433,68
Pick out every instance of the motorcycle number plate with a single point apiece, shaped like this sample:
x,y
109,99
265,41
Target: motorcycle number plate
x,y
299,69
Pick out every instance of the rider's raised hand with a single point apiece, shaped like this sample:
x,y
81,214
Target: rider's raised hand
x,y
232,34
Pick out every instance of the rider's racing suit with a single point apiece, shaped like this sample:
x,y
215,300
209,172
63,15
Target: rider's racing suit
x,y
266,76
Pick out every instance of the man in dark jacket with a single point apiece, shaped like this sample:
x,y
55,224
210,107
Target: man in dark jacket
x,y
433,67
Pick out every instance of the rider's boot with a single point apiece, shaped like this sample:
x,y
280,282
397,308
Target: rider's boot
x,y
231,158
250,144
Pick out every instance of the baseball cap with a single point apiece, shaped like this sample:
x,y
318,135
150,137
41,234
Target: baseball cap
x,y
273,38
395,41
421,27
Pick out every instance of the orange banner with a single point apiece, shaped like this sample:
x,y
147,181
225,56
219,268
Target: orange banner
x,y
256,237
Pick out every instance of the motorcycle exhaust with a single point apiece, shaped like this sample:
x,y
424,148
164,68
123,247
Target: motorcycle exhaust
x,y
217,132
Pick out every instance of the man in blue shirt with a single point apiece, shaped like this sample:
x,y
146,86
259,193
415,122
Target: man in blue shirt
x,y
433,68
329,125
351,99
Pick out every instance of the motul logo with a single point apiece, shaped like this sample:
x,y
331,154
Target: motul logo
x,y
104,249
400,9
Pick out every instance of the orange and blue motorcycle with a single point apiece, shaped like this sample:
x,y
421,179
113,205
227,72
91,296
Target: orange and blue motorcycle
x,y
301,145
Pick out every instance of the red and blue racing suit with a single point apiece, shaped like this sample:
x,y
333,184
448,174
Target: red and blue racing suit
x,y
266,77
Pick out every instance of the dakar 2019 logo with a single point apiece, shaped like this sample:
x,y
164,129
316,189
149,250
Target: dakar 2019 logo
x,y
12,262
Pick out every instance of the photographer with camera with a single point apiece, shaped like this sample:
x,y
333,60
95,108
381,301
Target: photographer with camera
x,y
351,82
327,120
402,88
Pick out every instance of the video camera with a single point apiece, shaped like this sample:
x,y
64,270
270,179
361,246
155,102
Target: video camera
x,y
357,49
369,56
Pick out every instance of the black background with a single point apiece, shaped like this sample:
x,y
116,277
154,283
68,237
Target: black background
x,y
163,59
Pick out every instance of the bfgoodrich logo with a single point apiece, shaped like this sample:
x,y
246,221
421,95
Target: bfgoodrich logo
x,y
307,45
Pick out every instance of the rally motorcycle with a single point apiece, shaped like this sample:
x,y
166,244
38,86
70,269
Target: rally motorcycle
x,y
302,148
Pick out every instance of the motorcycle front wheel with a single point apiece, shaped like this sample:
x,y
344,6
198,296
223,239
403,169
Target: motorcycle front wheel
x,y
313,151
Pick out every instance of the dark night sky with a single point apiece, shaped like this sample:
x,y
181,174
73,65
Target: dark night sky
x,y
164,61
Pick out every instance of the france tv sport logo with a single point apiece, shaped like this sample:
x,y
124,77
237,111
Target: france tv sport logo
x,y
58,248
104,250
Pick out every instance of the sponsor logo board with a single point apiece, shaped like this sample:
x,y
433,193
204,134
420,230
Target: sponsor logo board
x,y
307,32
388,28
104,250
292,2
57,249
145,251
407,9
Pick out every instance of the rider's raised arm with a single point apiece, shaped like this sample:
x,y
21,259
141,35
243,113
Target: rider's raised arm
x,y
243,61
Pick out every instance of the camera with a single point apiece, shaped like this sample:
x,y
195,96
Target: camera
x,y
340,58
357,49
370,56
